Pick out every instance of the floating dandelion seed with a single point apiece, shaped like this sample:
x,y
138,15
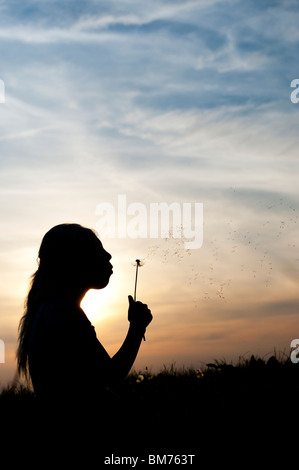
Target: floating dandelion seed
x,y
138,264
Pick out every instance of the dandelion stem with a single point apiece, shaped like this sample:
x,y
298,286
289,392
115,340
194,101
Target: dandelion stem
x,y
138,263
137,266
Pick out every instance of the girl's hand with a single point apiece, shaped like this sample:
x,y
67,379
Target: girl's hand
x,y
139,314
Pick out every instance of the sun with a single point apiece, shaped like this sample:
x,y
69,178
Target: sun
x,y
94,304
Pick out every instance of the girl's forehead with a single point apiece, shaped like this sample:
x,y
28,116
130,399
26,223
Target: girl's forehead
x,y
98,243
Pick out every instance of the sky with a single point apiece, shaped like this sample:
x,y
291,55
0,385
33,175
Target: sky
x,y
161,101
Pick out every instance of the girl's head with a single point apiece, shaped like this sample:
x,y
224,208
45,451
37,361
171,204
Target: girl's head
x,y
72,257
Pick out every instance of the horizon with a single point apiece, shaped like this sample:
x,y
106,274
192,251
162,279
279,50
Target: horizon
x,y
163,103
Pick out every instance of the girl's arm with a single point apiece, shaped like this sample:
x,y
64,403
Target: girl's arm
x,y
139,317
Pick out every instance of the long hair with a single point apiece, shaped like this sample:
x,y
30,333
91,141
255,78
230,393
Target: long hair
x,y
62,258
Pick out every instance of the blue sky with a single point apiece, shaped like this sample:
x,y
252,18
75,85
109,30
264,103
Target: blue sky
x,y
161,101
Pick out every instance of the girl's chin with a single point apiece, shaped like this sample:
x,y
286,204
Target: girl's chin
x,y
101,284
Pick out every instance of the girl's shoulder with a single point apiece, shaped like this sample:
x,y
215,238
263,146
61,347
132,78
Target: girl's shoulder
x,y
59,312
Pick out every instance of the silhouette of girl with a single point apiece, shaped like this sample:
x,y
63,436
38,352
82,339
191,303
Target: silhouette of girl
x,y
58,346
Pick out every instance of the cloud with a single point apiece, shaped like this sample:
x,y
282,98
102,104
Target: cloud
x,y
143,14
41,35
283,308
80,29
229,59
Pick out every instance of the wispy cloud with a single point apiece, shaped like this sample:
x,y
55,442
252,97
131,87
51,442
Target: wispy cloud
x,y
143,14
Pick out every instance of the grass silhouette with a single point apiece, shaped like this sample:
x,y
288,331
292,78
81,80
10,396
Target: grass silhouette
x,y
219,412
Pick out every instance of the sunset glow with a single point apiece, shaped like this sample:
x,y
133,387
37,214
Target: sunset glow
x,y
163,102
